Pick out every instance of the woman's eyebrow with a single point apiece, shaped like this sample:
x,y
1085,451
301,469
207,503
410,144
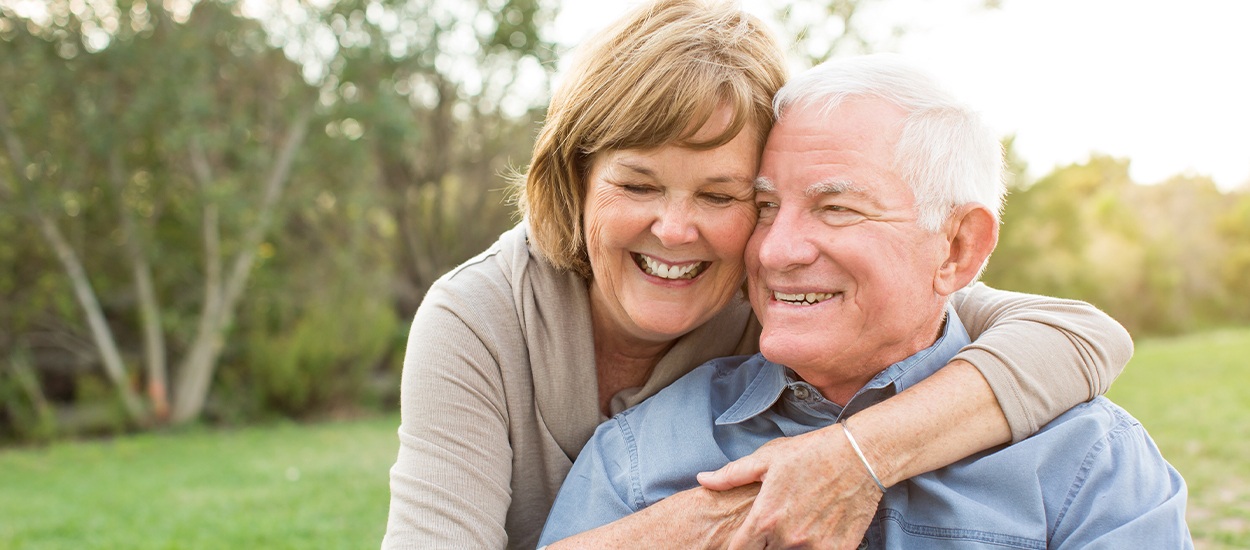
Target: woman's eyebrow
x,y
634,167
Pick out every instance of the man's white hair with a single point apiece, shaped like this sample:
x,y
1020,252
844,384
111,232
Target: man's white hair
x,y
945,152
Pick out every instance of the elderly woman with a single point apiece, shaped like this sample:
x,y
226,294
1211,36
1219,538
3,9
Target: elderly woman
x,y
626,274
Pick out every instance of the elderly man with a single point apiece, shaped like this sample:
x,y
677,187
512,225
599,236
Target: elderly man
x,y
878,198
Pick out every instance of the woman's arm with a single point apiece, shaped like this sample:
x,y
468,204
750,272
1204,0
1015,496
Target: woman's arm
x,y
450,482
1044,354
1040,355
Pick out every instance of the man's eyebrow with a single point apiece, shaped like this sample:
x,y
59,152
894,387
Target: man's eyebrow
x,y
764,185
834,187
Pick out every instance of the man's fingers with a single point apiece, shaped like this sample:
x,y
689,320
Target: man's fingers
x,y
743,471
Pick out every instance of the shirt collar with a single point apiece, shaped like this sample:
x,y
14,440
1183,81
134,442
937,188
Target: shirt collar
x,y
772,379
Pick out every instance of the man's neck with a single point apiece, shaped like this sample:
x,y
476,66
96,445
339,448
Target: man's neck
x,y
841,390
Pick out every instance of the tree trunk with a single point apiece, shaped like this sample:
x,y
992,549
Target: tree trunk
x,y
149,305
196,370
105,343
100,332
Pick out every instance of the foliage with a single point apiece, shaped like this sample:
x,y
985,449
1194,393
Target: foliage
x,y
1150,255
1234,227
322,358
200,199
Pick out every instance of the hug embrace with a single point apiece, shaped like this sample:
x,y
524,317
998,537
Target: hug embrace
x,y
756,300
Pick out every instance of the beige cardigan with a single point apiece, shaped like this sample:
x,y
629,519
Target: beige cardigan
x,y
499,391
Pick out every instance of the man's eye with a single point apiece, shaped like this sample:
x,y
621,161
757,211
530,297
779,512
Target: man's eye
x,y
837,214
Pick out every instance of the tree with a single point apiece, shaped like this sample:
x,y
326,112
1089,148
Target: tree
x,y
1234,229
122,114
443,110
153,150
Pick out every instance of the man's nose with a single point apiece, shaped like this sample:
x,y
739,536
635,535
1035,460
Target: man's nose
x,y
675,224
785,244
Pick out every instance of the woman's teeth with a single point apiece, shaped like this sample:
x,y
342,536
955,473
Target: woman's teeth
x,y
665,271
804,299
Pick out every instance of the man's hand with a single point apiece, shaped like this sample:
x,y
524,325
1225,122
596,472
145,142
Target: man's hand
x,y
815,493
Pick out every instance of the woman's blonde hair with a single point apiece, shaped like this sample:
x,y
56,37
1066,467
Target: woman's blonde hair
x,y
651,79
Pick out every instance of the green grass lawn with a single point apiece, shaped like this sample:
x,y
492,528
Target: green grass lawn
x,y
325,485
1193,394
272,487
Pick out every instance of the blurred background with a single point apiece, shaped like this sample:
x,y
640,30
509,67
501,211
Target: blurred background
x,y
224,213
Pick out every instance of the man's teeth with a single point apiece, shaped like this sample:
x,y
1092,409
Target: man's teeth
x,y
666,271
806,299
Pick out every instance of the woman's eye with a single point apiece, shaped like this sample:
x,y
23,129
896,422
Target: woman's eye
x,y
637,189
718,199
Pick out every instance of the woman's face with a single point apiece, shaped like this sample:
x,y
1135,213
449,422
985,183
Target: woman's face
x,y
665,232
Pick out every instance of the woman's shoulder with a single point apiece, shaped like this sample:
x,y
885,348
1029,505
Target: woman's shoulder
x,y
509,276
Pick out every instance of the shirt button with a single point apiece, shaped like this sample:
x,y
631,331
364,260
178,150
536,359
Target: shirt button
x,y
863,544
802,393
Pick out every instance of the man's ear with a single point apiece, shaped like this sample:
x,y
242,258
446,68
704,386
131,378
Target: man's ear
x,y
971,234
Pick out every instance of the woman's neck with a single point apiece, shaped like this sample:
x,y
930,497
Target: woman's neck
x,y
622,360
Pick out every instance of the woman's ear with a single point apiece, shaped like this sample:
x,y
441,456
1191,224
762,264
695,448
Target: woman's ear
x,y
971,234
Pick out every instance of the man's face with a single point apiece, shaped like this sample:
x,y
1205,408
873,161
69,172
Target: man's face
x,y
840,274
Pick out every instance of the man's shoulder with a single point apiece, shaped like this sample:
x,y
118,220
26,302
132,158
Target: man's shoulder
x,y
1096,419
1065,447
1097,431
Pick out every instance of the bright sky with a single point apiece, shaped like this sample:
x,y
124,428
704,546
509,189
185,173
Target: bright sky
x,y
1166,84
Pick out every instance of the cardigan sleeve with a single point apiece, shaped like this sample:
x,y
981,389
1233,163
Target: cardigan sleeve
x,y
450,485
1040,355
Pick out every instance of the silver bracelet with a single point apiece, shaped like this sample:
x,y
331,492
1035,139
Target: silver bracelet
x,y
846,430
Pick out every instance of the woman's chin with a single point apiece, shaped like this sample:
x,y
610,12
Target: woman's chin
x,y
663,325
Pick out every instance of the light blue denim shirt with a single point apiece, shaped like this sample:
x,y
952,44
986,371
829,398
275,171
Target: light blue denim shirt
x,y
1092,478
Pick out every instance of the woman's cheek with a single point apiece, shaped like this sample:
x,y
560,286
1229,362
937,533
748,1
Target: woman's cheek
x,y
738,222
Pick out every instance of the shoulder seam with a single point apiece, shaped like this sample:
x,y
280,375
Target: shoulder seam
x,y
1122,426
637,501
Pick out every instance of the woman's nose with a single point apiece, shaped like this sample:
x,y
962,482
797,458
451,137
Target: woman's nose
x,y
675,224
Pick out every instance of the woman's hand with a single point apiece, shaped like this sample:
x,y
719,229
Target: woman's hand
x,y
815,493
